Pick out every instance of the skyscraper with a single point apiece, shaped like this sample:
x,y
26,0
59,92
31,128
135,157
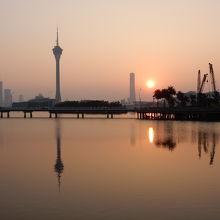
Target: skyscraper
x,y
1,93
132,98
57,51
7,98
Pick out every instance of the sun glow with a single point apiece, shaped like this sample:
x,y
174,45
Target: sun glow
x,y
151,135
150,84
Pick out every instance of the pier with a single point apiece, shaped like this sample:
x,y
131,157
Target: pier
x,y
187,113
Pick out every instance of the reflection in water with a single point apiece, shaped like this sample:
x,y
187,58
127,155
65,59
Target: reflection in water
x,y
109,178
212,154
151,135
167,136
58,167
205,139
166,143
133,135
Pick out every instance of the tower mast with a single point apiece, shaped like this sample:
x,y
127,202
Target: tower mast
x,y
199,81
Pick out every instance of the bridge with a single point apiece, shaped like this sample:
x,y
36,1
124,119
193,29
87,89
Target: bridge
x,y
151,113
54,112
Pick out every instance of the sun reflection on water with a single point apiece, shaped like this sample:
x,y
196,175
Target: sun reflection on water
x,y
151,135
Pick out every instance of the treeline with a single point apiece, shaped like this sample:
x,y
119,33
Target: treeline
x,y
173,98
89,103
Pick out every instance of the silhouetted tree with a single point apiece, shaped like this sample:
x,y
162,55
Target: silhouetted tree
x,y
202,100
193,100
157,95
166,94
89,103
183,99
169,94
171,90
216,98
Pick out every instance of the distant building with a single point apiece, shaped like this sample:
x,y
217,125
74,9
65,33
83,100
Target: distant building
x,y
39,97
21,98
38,102
123,102
1,93
132,97
7,98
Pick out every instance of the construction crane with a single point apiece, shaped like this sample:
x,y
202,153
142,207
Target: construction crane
x,y
212,76
199,81
203,83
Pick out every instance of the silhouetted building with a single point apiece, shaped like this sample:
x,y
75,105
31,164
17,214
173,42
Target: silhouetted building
x,y
132,97
7,98
38,102
57,51
1,93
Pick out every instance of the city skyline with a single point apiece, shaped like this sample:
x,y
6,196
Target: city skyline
x,y
110,109
99,53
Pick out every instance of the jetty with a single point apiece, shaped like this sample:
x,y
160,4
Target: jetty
x,y
180,113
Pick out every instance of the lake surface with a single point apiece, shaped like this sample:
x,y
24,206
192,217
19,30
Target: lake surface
x,y
124,168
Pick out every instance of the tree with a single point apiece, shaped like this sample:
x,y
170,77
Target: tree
x,y
193,100
169,94
171,90
183,99
157,95
216,98
166,94
202,100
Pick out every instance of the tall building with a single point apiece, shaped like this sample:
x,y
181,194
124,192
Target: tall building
x,y
57,51
132,98
1,93
7,98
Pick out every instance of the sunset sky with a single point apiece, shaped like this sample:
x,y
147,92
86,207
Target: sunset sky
x,y
103,41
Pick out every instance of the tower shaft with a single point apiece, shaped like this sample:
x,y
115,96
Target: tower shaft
x,y
57,51
58,95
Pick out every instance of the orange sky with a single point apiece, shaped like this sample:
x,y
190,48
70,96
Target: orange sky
x,y
103,41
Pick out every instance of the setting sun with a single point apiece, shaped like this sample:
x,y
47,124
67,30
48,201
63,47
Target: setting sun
x,y
150,84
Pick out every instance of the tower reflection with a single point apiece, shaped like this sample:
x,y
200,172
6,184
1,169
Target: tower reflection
x,y
58,167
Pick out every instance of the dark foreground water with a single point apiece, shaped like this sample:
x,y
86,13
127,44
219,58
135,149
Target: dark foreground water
x,y
108,169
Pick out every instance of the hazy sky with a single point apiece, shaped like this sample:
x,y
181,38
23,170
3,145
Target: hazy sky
x,y
103,41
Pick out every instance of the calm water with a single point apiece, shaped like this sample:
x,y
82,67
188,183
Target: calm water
x,y
109,169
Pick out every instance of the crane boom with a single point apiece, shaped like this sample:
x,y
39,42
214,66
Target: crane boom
x,y
212,75
199,81
203,83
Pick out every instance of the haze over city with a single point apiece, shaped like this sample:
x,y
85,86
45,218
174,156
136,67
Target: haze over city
x,y
110,109
103,41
